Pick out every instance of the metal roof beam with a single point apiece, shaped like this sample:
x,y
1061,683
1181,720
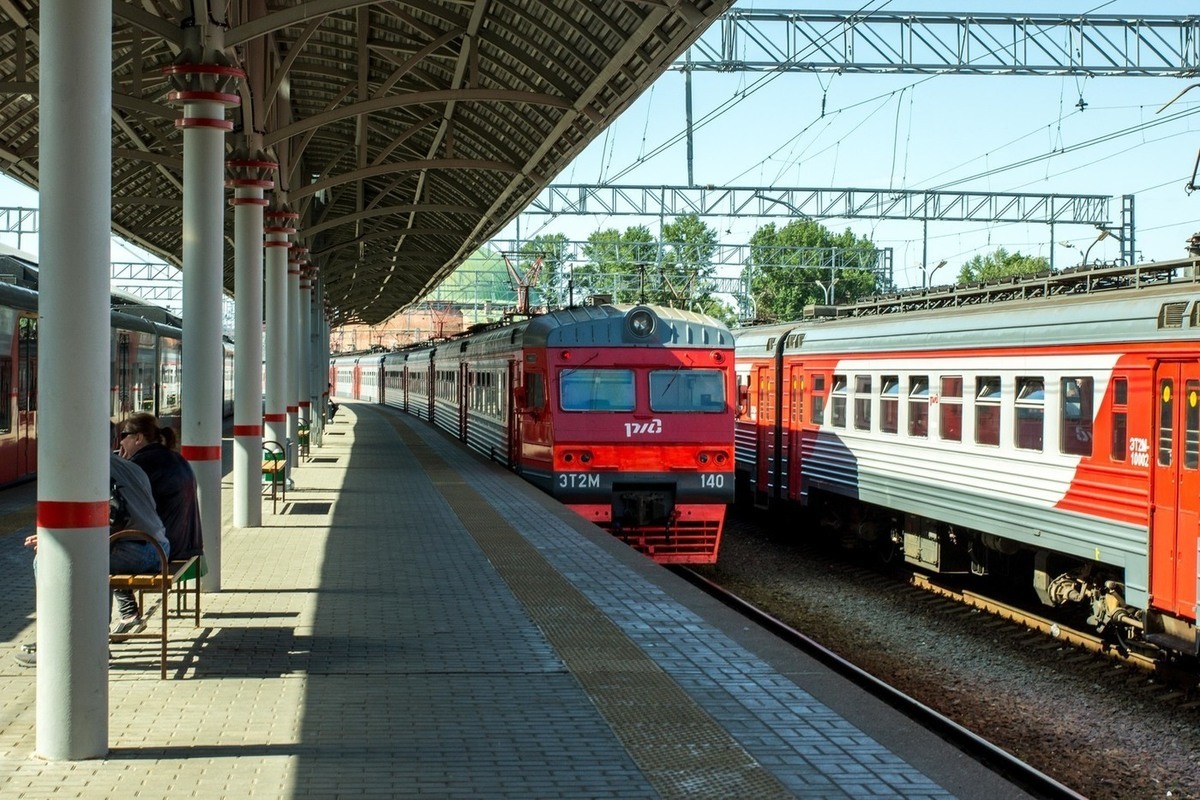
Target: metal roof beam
x,y
924,43
821,203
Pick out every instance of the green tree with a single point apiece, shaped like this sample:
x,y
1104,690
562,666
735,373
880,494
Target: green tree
x,y
804,263
612,258
1001,264
675,269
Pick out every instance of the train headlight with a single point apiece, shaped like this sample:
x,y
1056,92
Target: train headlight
x,y
703,458
641,323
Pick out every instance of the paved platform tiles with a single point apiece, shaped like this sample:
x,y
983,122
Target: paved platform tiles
x,y
418,623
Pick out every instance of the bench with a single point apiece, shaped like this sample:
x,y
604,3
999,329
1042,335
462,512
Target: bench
x,y
303,432
167,580
274,470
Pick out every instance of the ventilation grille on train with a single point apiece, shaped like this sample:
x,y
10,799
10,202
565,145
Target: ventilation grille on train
x,y
1171,315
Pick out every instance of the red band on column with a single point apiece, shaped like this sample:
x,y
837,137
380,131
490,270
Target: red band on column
x,y
292,409
60,514
247,430
195,452
306,404
275,418
204,122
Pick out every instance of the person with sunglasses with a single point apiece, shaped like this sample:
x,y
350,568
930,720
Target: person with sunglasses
x,y
154,449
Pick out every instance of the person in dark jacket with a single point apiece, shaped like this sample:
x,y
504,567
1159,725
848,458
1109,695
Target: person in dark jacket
x,y
172,481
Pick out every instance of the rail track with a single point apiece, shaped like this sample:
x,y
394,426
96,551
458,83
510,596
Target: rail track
x,y
1053,695
997,759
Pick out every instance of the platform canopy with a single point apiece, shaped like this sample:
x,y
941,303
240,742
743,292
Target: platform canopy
x,y
407,132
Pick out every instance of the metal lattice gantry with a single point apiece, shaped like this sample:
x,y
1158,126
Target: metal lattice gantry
x,y
821,203
923,43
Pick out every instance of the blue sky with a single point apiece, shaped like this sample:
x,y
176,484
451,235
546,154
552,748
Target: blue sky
x,y
950,132
911,132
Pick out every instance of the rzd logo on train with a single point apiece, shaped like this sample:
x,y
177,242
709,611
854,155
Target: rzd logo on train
x,y
632,429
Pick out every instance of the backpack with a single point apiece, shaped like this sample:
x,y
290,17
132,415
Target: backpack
x,y
118,512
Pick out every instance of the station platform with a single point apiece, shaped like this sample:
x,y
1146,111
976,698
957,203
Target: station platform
x,y
417,622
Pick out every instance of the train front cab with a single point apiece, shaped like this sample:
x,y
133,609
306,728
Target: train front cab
x,y
633,433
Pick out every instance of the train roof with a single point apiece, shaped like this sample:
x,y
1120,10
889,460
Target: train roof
x,y
1146,314
608,325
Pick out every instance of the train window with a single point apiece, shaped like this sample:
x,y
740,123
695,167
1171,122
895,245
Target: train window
x,y
5,395
918,405
1191,425
987,410
1076,424
596,390
687,390
818,400
950,412
1166,421
889,404
1120,446
837,401
535,386
1030,413
862,402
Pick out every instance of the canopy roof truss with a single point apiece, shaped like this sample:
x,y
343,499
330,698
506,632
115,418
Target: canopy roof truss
x,y
407,132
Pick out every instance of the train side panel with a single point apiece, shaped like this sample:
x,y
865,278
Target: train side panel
x,y
1067,429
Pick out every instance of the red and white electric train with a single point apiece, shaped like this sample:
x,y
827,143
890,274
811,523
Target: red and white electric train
x,y
146,355
625,414
1057,438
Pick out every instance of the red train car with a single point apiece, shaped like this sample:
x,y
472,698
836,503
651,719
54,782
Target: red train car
x,y
625,414
1055,438
146,366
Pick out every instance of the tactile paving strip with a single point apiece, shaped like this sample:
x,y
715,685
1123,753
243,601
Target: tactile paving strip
x,y
682,751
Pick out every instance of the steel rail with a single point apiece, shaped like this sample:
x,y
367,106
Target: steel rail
x,y
998,760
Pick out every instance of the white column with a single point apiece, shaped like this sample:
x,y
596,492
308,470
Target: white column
x,y
73,364
279,224
305,359
295,255
250,179
204,89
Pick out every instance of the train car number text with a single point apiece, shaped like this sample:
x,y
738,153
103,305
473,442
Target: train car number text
x,y
578,480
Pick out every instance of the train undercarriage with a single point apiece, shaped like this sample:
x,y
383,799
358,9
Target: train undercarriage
x,y
1096,590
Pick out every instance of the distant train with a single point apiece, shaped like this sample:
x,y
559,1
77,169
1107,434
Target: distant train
x,y
1055,439
625,414
146,367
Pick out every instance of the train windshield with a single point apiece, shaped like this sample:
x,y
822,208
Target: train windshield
x,y
687,390
596,390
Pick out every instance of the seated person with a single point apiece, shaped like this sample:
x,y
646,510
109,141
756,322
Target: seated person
x,y
130,506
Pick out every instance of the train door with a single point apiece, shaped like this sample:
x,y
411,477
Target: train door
x,y
514,399
1176,463
26,422
764,381
792,435
466,393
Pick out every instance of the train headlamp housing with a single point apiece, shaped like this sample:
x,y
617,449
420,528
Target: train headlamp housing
x,y
641,323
